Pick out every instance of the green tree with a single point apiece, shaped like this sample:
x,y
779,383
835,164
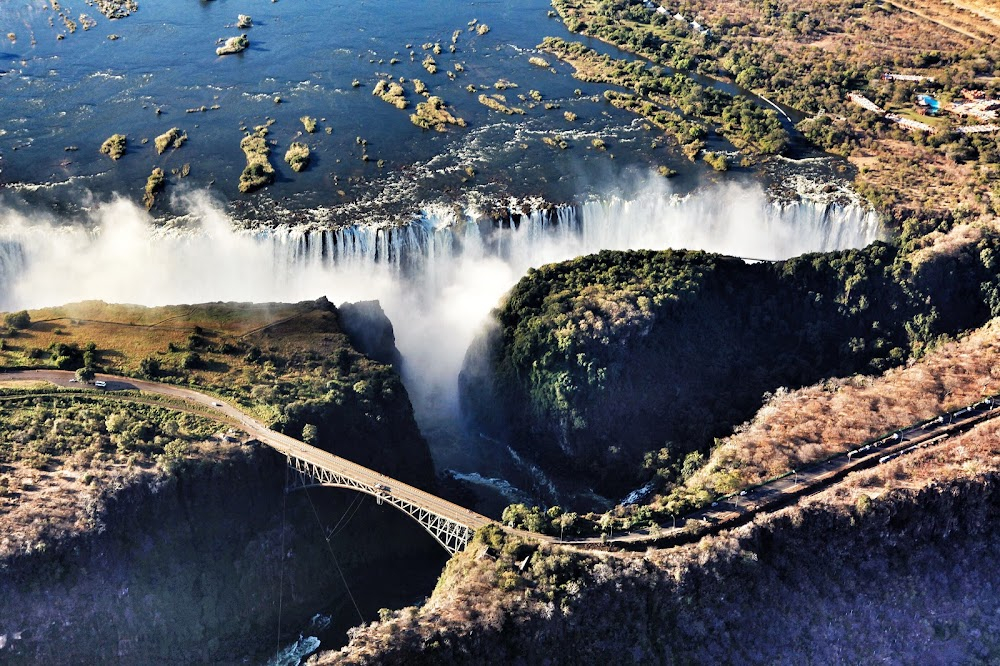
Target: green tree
x,y
607,523
565,523
18,320
191,361
116,423
514,515
173,455
692,463
310,434
85,374
149,367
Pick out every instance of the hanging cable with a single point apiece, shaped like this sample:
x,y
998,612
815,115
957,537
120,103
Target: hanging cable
x,y
334,556
335,532
336,528
281,569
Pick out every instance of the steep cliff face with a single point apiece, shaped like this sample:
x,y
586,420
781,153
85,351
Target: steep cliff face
x,y
358,406
594,362
910,578
189,569
370,331
183,568
202,563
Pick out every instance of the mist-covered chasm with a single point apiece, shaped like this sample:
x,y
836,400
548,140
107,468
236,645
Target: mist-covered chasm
x,y
437,277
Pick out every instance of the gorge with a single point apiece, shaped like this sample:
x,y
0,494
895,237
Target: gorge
x,y
437,277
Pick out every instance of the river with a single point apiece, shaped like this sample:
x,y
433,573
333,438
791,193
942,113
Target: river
x,y
414,225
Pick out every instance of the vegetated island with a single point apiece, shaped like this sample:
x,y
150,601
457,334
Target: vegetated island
x,y
114,146
129,514
116,9
434,114
391,92
258,172
297,156
172,138
234,45
154,184
498,102
744,124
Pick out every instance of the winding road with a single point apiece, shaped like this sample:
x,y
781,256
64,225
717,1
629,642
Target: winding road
x,y
724,513
290,447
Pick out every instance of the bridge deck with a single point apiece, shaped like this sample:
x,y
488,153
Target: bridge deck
x,y
293,448
288,446
431,511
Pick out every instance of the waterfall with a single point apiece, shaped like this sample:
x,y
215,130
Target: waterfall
x,y
437,277
438,237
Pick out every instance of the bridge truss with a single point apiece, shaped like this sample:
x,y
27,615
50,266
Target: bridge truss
x,y
451,534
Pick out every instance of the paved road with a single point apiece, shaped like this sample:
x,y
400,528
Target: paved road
x,y
809,480
282,443
724,513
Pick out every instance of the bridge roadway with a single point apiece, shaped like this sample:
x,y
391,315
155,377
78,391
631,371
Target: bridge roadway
x,y
421,505
424,507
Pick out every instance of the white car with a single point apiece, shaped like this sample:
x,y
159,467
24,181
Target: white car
x,y
100,383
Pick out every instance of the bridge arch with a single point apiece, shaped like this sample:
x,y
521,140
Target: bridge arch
x,y
453,535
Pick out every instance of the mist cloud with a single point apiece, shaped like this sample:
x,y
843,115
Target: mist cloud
x,y
437,279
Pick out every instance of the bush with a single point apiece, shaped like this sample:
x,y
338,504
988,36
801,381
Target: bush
x,y
310,434
18,320
149,367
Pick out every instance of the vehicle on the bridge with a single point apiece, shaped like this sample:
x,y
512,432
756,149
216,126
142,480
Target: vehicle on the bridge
x,y
100,383
384,488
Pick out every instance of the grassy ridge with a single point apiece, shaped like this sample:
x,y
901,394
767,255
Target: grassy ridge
x,y
289,364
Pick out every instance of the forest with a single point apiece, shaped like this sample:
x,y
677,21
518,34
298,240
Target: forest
x,y
696,341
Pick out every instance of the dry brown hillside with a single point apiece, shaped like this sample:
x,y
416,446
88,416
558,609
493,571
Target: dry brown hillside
x,y
798,427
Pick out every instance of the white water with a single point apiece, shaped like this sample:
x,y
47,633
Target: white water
x,y
293,654
510,492
436,278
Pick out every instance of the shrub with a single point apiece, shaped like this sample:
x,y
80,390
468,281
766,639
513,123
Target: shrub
x,y
18,320
149,367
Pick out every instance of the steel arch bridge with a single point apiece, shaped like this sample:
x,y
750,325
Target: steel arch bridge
x,y
449,524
